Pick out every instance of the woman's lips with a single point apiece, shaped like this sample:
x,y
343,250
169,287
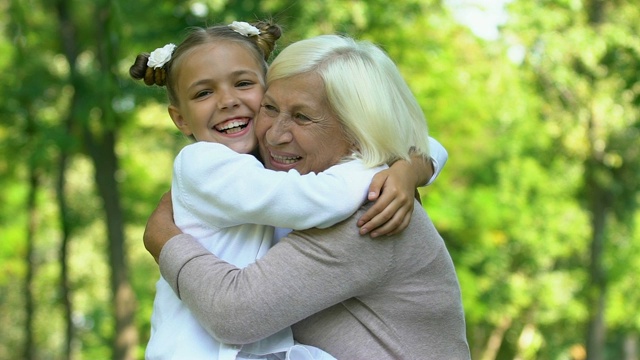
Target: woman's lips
x,y
283,161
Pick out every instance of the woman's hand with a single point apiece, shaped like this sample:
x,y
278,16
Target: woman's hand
x,y
393,191
160,227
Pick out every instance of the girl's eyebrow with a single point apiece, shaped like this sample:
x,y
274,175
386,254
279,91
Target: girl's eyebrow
x,y
235,73
244,72
198,83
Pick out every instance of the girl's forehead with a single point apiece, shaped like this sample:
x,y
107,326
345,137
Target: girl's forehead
x,y
224,48
220,53
217,61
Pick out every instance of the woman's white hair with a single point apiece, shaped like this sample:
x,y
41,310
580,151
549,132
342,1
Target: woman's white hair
x,y
365,91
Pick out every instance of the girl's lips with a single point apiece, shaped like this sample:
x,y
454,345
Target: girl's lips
x,y
233,127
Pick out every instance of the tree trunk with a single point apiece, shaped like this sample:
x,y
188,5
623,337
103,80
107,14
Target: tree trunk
x,y
124,304
630,349
65,225
70,49
102,149
598,205
30,131
495,340
29,349
597,284
100,142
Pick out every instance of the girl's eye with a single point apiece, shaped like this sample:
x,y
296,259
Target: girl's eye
x,y
203,93
270,110
244,83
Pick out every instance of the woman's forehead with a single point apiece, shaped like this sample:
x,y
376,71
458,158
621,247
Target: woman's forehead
x,y
302,88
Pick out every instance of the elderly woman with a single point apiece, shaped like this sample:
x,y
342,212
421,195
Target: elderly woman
x,y
329,99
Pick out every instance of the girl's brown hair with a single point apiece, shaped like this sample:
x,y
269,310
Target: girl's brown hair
x,y
261,46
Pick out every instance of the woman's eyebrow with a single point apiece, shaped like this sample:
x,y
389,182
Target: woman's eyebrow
x,y
268,98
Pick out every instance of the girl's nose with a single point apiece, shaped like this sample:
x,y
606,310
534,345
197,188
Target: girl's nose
x,y
227,100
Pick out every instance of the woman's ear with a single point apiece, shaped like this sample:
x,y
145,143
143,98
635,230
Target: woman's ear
x,y
179,120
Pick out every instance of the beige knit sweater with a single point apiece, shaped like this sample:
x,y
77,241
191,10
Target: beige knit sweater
x,y
392,298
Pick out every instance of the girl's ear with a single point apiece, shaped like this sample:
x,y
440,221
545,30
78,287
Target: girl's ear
x,y
179,121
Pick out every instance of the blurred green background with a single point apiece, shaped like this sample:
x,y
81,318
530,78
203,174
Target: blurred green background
x,y
538,203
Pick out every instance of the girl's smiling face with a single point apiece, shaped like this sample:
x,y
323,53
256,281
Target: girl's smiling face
x,y
219,88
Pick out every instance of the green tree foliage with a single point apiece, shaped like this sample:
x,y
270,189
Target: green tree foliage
x,y
537,204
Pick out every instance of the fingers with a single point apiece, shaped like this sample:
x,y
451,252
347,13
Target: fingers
x,y
376,185
376,216
393,207
382,210
388,216
373,212
403,225
393,225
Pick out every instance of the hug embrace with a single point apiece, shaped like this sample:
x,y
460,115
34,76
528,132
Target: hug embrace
x,y
291,229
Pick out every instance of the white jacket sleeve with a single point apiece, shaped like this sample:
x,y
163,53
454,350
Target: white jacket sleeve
x,y
439,157
225,189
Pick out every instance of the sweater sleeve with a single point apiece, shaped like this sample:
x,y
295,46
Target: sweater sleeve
x,y
243,305
439,157
225,188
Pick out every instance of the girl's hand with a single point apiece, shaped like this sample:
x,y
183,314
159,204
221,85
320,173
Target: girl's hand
x,y
160,227
393,191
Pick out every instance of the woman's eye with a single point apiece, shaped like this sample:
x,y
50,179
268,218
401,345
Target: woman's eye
x,y
270,110
302,117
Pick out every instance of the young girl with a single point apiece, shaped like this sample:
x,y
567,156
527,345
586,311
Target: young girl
x,y
221,194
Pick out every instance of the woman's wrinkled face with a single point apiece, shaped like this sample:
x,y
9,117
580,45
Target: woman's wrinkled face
x,y
296,128
219,87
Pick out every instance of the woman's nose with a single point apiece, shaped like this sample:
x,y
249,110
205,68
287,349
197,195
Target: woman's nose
x,y
279,131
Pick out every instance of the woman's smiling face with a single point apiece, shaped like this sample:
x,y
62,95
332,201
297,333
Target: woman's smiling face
x,y
296,128
219,86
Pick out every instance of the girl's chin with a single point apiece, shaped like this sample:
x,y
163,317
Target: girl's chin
x,y
244,147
